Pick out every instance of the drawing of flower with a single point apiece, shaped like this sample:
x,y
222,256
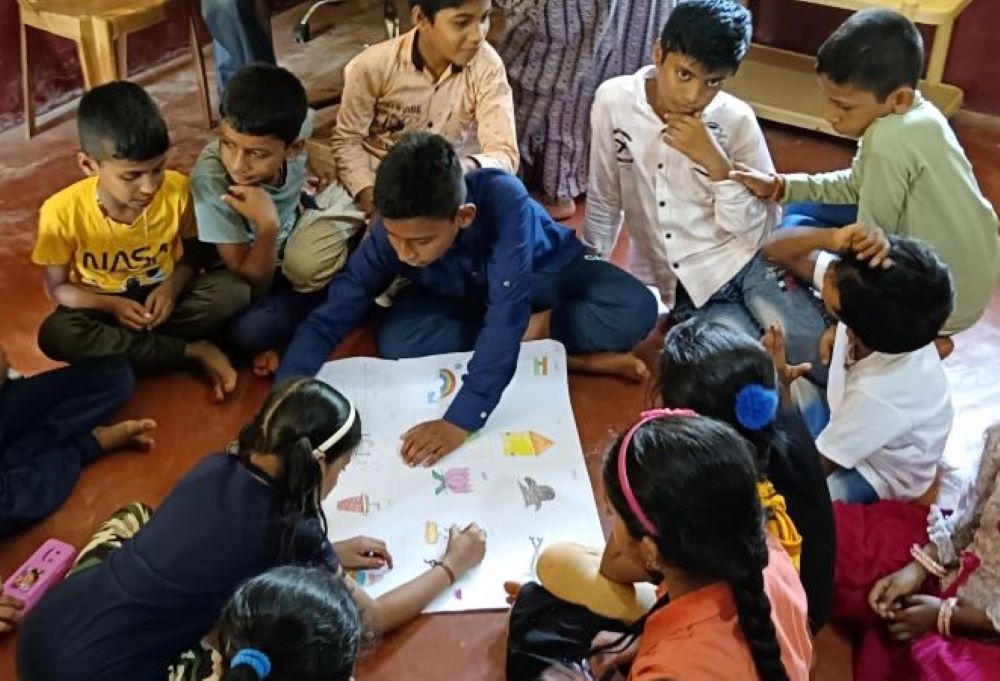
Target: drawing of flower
x,y
454,480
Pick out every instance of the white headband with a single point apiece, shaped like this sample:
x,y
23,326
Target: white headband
x,y
341,432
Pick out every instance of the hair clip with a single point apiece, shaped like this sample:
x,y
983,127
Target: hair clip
x,y
756,406
255,659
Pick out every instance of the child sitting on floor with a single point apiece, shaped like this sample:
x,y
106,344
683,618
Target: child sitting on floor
x,y
51,425
665,140
119,250
943,609
289,624
489,269
247,188
682,489
150,586
725,374
442,77
890,404
910,175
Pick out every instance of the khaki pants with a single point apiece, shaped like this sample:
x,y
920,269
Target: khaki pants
x,y
318,246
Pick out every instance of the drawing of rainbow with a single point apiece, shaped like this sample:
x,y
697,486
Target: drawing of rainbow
x,y
448,382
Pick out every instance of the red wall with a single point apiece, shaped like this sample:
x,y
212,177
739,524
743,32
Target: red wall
x,y
784,23
54,61
975,42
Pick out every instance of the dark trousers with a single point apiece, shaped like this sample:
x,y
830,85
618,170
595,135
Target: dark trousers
x,y
270,321
596,307
819,215
73,334
46,423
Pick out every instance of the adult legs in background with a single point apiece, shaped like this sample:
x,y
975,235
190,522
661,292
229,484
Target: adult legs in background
x,y
819,215
47,425
241,34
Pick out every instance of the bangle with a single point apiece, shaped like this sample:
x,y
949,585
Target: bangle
x,y
945,613
928,563
779,188
444,566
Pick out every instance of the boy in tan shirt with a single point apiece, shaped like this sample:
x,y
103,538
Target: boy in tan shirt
x,y
440,77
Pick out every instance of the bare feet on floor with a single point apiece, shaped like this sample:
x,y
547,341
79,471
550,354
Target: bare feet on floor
x,y
125,435
265,364
622,364
216,366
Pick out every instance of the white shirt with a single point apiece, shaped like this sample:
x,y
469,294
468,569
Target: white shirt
x,y
890,416
682,225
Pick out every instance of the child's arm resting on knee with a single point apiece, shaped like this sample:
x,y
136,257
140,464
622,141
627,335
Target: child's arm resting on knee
x,y
127,312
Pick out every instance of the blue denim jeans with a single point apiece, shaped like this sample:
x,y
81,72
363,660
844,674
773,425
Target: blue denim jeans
x,y
849,486
241,35
819,215
762,294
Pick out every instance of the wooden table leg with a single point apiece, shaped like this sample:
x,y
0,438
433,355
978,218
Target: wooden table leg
x,y
98,58
939,53
27,85
198,64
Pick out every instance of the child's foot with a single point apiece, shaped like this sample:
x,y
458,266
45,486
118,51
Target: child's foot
x,y
561,210
125,435
216,366
945,346
265,364
539,327
622,364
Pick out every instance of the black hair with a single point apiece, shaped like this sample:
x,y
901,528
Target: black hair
x,y
695,479
432,7
121,121
298,417
716,33
898,309
876,50
705,366
303,619
266,101
420,177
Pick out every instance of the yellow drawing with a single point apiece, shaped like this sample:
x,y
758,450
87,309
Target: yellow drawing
x,y
431,532
525,443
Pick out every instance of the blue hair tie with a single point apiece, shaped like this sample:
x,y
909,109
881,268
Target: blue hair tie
x,y
254,659
756,406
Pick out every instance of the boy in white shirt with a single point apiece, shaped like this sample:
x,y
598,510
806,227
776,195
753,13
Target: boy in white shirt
x,y
890,403
664,142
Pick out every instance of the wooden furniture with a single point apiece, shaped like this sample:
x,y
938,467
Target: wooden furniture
x,y
100,29
781,85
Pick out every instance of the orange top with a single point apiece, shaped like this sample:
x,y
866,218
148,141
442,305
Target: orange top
x,y
698,636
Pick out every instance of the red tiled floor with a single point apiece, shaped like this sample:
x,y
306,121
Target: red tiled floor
x,y
467,646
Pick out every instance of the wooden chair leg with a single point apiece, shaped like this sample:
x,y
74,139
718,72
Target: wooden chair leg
x,y
27,85
198,64
96,48
121,52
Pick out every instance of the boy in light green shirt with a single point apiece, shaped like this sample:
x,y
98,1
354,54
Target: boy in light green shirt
x,y
910,175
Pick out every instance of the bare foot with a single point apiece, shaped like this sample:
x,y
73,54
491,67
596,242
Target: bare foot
x,y
622,364
216,366
265,364
125,435
945,346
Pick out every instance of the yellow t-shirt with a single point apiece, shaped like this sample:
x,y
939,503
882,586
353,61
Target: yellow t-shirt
x,y
103,254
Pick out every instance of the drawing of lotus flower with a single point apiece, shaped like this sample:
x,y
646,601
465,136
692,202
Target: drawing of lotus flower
x,y
454,480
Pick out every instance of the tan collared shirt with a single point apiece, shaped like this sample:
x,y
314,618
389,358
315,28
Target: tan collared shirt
x,y
388,92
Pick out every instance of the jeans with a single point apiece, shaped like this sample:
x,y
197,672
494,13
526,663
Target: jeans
x,y
596,307
241,34
850,487
819,215
46,426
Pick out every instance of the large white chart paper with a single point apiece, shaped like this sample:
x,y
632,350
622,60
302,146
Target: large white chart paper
x,y
522,477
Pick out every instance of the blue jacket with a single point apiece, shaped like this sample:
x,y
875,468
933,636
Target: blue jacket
x,y
492,259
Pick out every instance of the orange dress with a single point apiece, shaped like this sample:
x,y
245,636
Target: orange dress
x,y
698,635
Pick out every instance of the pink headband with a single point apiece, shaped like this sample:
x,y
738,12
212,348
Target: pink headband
x,y
633,503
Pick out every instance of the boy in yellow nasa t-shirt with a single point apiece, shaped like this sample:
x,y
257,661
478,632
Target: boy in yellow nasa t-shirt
x,y
112,246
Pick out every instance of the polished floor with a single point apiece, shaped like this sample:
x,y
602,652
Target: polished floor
x,y
466,646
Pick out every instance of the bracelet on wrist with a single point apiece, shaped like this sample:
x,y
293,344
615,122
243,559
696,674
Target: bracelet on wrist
x,y
928,563
444,566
